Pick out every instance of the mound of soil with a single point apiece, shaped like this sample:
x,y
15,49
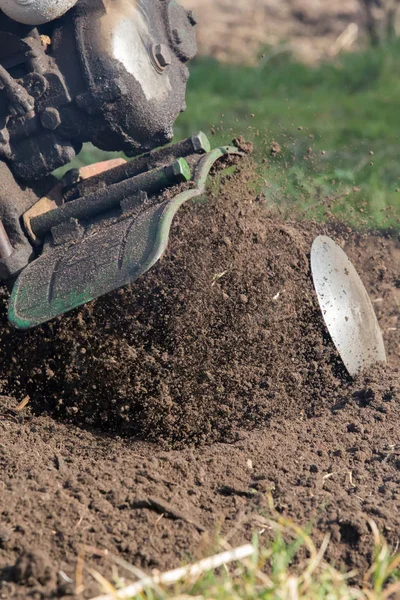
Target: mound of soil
x,y
206,385
222,335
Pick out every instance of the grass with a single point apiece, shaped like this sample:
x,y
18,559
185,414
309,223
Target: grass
x,y
279,571
337,125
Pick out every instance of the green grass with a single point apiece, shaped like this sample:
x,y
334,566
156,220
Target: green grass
x,y
290,567
347,113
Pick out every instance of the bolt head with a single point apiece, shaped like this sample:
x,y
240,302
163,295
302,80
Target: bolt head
x,y
201,142
50,118
71,177
193,18
162,56
179,171
177,36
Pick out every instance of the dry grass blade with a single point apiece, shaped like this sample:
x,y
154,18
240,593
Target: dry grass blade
x,y
171,577
316,561
22,404
106,585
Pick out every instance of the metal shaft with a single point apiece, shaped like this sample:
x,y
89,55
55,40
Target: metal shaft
x,y
198,143
106,199
5,246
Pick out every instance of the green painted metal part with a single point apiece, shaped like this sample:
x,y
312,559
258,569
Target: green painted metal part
x,y
152,182
70,275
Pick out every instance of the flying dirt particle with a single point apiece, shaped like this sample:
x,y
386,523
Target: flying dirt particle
x,y
371,152
323,152
241,144
275,148
300,128
212,129
252,115
45,40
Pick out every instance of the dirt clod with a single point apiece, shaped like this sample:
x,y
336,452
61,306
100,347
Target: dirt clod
x,y
275,149
243,145
32,567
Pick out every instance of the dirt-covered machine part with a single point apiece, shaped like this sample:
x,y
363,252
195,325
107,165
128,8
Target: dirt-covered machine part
x,y
35,12
109,236
110,72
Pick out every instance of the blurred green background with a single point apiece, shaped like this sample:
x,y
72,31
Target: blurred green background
x,y
337,125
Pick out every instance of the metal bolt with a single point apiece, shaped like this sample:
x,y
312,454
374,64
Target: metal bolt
x,y
177,36
161,55
193,18
50,118
71,177
201,142
178,171
36,84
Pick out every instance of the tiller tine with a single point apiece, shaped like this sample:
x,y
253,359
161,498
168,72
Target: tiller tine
x,y
106,230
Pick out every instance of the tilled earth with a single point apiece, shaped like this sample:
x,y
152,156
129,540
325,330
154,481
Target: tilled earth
x,y
166,414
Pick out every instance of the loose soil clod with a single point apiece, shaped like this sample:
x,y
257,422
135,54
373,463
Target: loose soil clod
x,y
221,346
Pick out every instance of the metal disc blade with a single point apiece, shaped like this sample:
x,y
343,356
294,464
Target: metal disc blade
x,y
346,307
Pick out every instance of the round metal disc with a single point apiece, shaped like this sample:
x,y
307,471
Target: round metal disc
x,y
346,307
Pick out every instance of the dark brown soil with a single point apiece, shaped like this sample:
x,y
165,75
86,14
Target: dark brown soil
x,y
194,393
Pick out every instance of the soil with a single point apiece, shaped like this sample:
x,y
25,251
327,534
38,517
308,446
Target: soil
x,y
163,415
